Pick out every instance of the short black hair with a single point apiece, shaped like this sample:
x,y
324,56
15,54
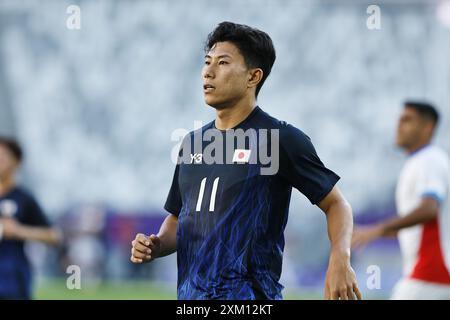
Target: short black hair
x,y
255,45
424,109
13,146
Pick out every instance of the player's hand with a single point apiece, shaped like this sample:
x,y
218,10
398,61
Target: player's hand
x,y
364,235
340,281
145,249
11,228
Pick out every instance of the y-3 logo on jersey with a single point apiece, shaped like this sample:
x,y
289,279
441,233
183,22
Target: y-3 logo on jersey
x,y
196,157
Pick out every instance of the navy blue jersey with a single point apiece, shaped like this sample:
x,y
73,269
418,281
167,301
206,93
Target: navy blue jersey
x,y
231,214
15,273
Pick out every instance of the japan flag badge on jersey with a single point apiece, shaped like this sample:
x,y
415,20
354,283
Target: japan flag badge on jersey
x,y
241,155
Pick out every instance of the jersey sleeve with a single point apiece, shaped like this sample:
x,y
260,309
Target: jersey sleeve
x,y
433,180
301,166
174,203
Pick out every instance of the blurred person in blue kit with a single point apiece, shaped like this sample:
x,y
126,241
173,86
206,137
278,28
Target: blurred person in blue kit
x,y
21,220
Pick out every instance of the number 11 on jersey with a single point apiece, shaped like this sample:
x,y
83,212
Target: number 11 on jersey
x,y
212,201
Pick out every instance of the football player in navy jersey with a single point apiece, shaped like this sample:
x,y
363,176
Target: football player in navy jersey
x,y
229,200
21,220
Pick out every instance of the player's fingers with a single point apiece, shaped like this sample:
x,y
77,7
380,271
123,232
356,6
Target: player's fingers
x,y
350,294
135,260
139,260
138,254
142,238
334,294
357,292
343,294
141,248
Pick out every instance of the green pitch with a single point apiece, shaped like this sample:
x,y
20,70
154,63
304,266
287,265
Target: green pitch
x,y
129,290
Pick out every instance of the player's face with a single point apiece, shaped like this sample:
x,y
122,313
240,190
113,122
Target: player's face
x,y
410,128
225,75
8,163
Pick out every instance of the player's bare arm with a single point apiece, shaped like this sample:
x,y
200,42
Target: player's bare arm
x,y
427,210
14,230
147,248
340,281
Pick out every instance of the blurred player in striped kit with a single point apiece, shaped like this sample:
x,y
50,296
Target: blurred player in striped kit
x,y
422,197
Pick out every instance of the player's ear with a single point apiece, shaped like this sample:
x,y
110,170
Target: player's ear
x,y
254,77
430,128
15,166
425,127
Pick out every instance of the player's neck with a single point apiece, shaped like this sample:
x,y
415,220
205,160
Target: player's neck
x,y
230,117
6,184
